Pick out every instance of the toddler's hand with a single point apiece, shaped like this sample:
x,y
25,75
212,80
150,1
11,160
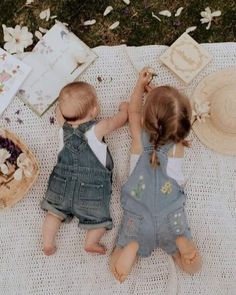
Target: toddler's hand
x,y
145,76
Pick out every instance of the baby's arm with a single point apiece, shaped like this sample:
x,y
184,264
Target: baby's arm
x,y
106,126
135,110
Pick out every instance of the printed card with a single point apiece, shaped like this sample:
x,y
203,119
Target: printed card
x,y
12,74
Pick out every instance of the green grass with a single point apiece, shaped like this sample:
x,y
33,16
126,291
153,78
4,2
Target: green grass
x,y
137,26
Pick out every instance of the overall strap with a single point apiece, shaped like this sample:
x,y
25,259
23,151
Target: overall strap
x,y
68,130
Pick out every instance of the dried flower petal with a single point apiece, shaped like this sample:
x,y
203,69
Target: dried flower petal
x,y
89,22
165,13
155,16
18,174
201,110
114,25
179,10
126,2
107,10
38,34
45,14
29,2
42,30
190,29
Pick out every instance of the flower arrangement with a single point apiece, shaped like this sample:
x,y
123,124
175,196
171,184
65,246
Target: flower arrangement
x,y
201,110
14,164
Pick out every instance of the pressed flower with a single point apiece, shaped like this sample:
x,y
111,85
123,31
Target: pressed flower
x,y
4,155
190,29
45,14
201,110
165,13
114,25
16,39
107,10
89,22
207,16
178,12
156,17
25,167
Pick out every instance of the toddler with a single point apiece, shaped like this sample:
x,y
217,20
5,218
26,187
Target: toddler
x,y
153,198
81,182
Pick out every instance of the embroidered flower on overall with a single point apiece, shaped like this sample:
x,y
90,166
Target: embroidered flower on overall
x,y
166,188
136,192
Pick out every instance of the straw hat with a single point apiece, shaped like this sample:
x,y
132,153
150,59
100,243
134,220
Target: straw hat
x,y
12,190
214,111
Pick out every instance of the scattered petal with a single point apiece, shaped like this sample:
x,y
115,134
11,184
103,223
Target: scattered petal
x,y
38,34
179,10
107,10
53,16
45,14
155,16
207,16
42,30
191,29
89,22
165,13
216,13
114,25
126,2
28,2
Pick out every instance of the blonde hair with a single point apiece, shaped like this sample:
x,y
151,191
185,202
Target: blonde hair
x,y
166,118
76,99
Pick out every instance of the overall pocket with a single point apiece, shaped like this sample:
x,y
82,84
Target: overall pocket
x,y
56,189
91,195
177,221
131,224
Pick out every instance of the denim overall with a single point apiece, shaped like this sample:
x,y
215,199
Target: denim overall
x,y
79,184
153,204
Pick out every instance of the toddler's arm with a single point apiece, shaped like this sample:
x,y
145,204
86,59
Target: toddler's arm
x,y
106,126
135,110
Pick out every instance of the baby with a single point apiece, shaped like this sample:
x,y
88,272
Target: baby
x,y
153,198
81,182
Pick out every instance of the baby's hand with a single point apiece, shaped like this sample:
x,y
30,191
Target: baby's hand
x,y
124,105
145,76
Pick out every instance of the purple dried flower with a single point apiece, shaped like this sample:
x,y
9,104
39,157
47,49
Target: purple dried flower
x,y
52,120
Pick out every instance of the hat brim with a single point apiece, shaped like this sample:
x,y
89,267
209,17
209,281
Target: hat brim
x,y
15,190
207,133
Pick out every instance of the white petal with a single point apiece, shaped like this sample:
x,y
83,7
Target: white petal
x,y
4,155
107,10
53,16
208,10
216,13
165,13
48,14
28,172
18,174
38,34
42,14
42,30
29,2
126,2
4,168
208,26
155,16
190,29
204,20
114,25
179,10
89,22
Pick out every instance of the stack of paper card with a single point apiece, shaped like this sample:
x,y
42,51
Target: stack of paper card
x,y
12,74
186,58
58,59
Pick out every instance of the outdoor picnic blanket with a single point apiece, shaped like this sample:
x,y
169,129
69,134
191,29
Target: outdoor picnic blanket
x,y
210,206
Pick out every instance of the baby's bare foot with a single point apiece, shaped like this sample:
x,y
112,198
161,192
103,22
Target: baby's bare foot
x,y
49,249
189,255
95,248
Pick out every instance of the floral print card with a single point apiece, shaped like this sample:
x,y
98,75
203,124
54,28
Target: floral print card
x,y
186,58
57,59
12,74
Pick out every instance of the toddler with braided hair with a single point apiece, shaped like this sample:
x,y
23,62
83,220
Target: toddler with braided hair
x,y
153,198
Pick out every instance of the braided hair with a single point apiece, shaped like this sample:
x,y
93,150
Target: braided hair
x,y
166,118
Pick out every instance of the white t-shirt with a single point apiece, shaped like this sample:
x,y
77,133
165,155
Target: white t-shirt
x,y
99,148
173,169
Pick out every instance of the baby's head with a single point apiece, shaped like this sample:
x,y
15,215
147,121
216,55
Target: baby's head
x,y
78,101
166,117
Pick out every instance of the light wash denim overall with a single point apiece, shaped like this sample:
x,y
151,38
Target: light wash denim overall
x,y
79,184
153,204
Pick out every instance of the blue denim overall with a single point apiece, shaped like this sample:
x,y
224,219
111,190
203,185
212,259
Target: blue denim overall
x,y
153,204
79,184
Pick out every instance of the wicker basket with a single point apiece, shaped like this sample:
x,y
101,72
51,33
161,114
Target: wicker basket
x,y
11,190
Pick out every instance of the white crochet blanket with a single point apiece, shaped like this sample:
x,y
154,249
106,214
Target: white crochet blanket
x,y
211,203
